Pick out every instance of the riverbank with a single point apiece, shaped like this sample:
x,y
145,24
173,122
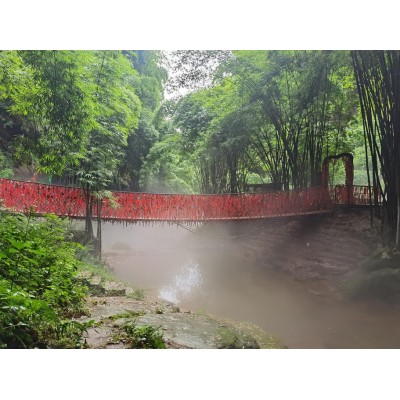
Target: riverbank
x,y
125,317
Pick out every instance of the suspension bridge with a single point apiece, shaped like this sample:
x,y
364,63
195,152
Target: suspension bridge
x,y
19,196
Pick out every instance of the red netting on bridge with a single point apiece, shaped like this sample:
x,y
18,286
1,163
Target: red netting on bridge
x,y
354,195
67,201
45,199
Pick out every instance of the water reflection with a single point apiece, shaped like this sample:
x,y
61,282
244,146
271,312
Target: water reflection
x,y
184,284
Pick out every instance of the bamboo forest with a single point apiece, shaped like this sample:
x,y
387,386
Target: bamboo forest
x,y
199,199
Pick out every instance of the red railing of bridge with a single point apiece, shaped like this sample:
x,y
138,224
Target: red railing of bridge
x,y
354,195
68,201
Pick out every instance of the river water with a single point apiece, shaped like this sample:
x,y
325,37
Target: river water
x,y
212,274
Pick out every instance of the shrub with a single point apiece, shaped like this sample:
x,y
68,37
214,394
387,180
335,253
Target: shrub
x,y
6,166
39,287
143,336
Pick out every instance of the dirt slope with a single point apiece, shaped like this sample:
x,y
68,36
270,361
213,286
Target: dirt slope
x,y
310,248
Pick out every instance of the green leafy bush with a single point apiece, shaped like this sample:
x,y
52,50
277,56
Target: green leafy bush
x,y
6,170
22,317
39,286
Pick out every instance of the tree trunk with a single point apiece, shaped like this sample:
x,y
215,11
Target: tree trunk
x,y
98,238
88,217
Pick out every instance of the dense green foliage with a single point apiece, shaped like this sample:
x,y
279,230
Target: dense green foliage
x,y
83,117
268,116
39,286
149,89
98,119
378,83
6,170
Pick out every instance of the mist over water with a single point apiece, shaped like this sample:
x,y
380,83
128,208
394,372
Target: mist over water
x,y
211,272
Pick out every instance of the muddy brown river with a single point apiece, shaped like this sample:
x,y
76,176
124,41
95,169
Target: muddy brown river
x,y
211,273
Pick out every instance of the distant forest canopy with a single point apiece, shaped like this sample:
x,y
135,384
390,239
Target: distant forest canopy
x,y
100,119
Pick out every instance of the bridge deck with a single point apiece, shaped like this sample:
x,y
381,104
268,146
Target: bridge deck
x,y
70,202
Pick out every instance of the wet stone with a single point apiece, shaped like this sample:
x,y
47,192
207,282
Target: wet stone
x,y
199,332
114,289
230,338
95,280
85,275
180,330
95,286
